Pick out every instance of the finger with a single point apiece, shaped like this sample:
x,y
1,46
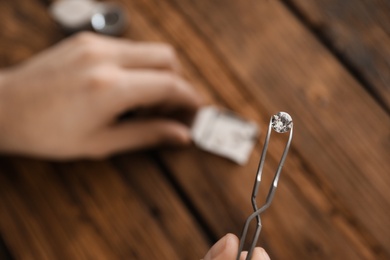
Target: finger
x,y
127,53
148,88
225,248
258,254
143,54
243,255
147,55
138,134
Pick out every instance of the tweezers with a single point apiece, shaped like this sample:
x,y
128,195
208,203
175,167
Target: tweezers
x,y
281,123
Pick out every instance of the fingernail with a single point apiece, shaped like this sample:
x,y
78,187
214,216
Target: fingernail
x,y
181,137
184,137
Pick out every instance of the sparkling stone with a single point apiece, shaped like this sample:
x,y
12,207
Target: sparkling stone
x,y
282,122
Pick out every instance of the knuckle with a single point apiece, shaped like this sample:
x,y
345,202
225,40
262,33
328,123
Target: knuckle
x,y
88,47
100,79
91,52
85,38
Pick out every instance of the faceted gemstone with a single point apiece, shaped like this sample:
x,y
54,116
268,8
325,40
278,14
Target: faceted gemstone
x,y
282,122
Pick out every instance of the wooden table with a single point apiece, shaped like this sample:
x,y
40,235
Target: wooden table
x,y
325,62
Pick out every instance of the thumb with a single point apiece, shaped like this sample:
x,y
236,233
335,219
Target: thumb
x,y
225,249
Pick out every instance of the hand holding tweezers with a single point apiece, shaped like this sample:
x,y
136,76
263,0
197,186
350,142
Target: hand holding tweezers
x,y
281,123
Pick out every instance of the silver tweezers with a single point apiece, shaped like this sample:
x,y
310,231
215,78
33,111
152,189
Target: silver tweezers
x,y
281,123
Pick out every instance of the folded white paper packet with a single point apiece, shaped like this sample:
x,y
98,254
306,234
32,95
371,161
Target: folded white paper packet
x,y
224,133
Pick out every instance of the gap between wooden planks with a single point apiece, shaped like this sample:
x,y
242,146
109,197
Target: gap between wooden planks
x,y
358,31
87,210
176,29
239,106
40,235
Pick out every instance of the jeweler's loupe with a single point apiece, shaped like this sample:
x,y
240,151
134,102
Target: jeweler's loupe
x,y
81,15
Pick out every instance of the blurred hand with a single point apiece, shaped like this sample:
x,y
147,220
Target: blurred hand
x,y
227,249
64,103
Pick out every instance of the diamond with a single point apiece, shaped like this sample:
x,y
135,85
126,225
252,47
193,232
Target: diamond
x,y
282,122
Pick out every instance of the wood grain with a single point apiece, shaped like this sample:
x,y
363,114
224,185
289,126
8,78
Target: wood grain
x,y
319,91
86,210
5,254
256,58
27,30
359,32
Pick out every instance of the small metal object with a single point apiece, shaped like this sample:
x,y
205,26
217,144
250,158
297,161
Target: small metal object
x,y
281,123
224,133
72,15
108,19
81,15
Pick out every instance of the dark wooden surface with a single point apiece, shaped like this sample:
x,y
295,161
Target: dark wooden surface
x,y
358,33
325,62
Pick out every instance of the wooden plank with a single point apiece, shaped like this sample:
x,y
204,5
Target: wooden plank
x,y
328,223
180,229
236,59
359,32
38,219
26,27
86,210
5,254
